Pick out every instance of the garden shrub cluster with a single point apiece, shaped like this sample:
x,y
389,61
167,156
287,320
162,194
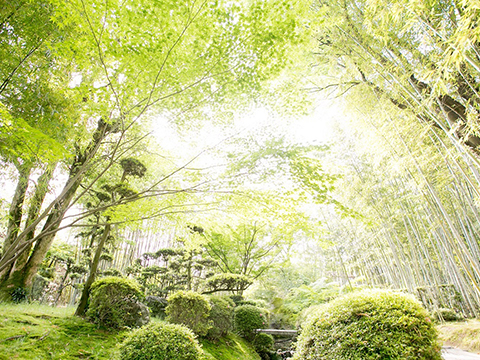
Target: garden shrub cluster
x,y
190,309
263,345
247,302
115,304
221,316
444,314
248,318
161,341
369,325
157,306
19,295
237,299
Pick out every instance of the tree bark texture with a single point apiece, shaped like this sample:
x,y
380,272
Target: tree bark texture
x,y
24,275
82,306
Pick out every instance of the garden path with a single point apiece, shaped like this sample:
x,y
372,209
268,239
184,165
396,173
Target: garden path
x,y
450,353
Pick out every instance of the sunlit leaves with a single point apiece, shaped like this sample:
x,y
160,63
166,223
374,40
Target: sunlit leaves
x,y
20,141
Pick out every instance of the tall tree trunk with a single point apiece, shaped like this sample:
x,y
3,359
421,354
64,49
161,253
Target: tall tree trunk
x,y
47,235
33,212
82,306
53,222
62,286
16,211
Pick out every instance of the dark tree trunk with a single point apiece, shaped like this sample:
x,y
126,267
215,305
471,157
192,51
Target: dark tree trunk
x,y
82,306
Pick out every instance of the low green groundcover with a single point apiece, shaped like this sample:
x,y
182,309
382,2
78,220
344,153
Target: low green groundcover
x,y
369,325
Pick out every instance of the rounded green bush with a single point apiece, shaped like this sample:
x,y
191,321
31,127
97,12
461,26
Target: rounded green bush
x,y
190,309
263,343
237,299
444,314
248,318
156,305
369,325
115,303
161,341
248,302
221,316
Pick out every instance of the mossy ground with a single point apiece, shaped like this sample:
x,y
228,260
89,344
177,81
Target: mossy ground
x,y
231,347
42,332
464,335
36,332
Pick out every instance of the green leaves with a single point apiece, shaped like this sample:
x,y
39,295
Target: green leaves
x,y
21,142
227,282
292,169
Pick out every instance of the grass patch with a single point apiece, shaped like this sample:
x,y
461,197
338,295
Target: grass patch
x,y
231,347
462,334
34,332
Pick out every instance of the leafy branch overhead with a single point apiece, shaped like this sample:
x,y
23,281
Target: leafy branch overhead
x,y
90,76
291,169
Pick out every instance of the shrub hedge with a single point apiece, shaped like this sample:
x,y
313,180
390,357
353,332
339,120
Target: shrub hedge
x,y
444,314
221,316
248,318
157,306
115,303
263,345
190,309
369,325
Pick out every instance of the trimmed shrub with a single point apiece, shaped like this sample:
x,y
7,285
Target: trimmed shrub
x,y
305,314
39,287
221,316
157,306
115,304
444,314
263,345
248,318
161,341
248,302
260,303
237,299
190,309
369,325
19,295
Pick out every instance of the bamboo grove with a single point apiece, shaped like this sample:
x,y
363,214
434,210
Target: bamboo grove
x,y
409,73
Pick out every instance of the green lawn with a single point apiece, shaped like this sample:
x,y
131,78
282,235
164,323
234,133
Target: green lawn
x,y
35,332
